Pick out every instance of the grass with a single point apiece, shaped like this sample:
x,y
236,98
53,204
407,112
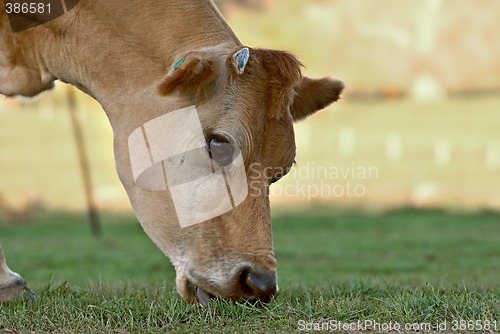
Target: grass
x,y
404,266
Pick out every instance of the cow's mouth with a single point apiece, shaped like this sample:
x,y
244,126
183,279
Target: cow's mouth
x,y
243,290
203,297
199,295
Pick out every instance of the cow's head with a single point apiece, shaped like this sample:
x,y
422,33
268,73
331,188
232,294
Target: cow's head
x,y
246,100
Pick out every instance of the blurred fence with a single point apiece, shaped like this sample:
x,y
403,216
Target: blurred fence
x,y
416,162
422,48
39,163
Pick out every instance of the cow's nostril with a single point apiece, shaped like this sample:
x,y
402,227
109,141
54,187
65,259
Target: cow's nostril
x,y
259,284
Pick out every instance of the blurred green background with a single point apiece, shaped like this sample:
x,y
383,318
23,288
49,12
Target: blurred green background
x,y
421,111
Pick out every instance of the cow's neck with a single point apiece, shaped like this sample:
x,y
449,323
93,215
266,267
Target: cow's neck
x,y
119,51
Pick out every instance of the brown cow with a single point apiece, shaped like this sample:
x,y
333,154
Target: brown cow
x,y
145,60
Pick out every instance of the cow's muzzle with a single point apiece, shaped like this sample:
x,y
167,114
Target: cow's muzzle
x,y
249,284
258,284
15,288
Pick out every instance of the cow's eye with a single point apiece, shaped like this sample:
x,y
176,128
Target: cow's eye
x,y
221,150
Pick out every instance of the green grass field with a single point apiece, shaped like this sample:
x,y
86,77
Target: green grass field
x,y
405,266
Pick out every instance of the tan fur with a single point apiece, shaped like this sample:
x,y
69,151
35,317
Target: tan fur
x,y
283,75
123,53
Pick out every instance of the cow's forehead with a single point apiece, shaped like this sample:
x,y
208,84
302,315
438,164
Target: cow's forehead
x,y
259,76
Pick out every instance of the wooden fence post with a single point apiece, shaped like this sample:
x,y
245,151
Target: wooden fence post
x,y
93,216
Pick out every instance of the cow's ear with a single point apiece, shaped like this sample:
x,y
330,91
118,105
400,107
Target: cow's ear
x,y
239,60
192,74
313,95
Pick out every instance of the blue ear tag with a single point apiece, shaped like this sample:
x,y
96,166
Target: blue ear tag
x,y
240,60
179,63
